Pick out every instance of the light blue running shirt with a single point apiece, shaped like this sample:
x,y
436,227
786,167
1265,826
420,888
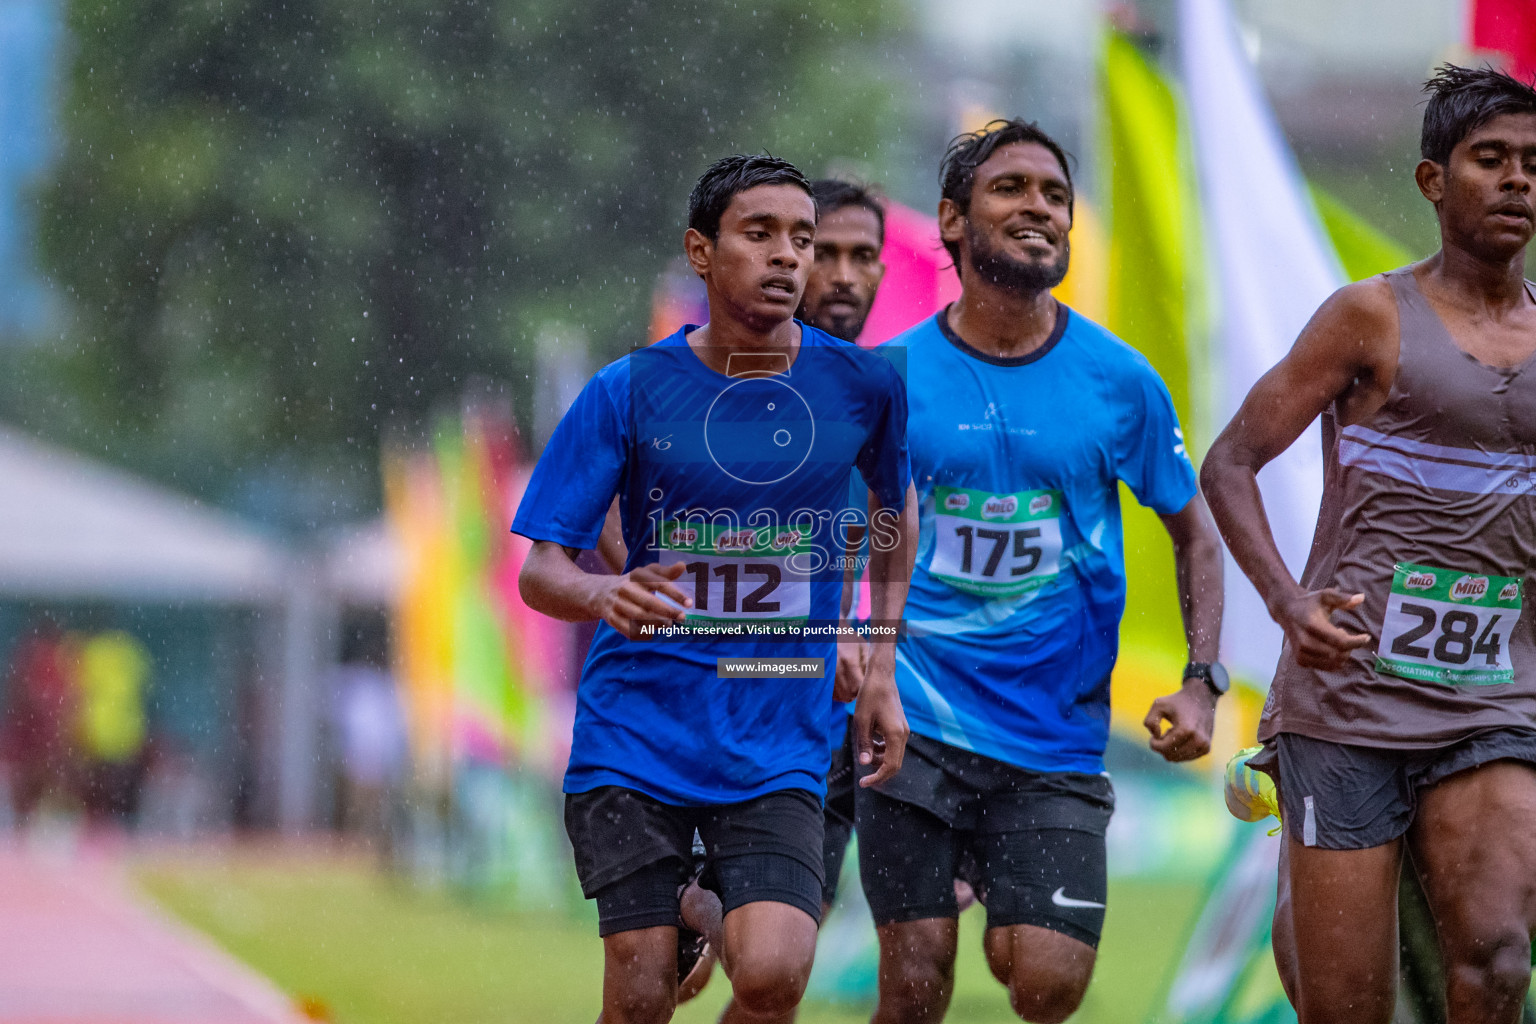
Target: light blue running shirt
x,y
1014,611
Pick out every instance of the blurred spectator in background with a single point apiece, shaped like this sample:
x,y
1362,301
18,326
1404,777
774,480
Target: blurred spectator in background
x,y
111,673
37,734
370,731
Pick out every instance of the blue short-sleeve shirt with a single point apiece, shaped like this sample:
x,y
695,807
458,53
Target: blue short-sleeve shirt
x,y
743,479
1016,598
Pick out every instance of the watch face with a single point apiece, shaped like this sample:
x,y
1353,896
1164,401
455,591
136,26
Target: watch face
x,y
1217,674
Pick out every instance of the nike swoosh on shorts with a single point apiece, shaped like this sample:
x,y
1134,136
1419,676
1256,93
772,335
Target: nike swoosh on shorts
x,y
1060,898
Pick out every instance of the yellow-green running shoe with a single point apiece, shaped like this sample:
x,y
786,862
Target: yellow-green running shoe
x,y
1250,795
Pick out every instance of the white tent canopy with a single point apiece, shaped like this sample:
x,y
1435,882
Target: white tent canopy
x,y
73,528
364,564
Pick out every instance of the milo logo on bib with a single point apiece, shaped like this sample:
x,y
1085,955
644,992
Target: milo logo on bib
x,y
736,540
995,545
787,539
680,537
1469,588
1448,626
999,507
740,574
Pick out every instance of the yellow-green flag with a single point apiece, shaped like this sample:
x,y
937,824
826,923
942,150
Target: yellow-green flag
x,y
1156,304
1362,249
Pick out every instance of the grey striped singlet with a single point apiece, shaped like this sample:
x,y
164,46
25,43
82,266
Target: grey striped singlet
x,y
1428,511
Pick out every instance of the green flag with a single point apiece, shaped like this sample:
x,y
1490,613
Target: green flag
x,y
1362,249
1156,304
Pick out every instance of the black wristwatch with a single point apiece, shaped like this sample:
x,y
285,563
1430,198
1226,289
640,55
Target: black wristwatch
x,y
1213,673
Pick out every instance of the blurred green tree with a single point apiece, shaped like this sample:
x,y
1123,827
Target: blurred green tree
x,y
281,228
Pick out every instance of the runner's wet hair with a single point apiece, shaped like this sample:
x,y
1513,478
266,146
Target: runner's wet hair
x,y
1462,100
957,170
724,178
833,194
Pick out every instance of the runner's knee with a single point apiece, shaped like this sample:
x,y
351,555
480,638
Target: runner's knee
x,y
639,976
917,968
1000,966
1046,997
1499,969
1046,972
769,951
915,991
771,985
641,1000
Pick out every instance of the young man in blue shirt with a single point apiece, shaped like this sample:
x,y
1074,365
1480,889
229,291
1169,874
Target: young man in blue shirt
x,y
1024,419
839,293
728,447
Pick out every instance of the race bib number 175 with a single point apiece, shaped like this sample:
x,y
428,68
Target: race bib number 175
x,y
996,545
1448,626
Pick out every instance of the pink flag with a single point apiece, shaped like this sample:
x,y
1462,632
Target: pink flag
x,y
918,279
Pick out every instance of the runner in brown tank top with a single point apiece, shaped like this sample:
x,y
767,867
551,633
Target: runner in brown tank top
x,y
1403,711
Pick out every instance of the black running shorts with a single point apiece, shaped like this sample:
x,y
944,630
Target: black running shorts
x,y
633,853
1338,796
1035,841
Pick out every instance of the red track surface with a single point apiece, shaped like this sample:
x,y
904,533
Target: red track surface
x,y
77,948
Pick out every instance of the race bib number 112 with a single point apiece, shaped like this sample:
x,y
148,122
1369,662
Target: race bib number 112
x,y
1448,626
748,574
996,545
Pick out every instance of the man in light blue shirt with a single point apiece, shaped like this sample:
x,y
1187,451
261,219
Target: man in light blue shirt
x,y
1024,419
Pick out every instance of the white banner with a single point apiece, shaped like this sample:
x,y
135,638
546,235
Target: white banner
x,y
1272,266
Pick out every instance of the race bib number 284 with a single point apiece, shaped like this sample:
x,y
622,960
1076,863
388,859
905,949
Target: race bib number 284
x,y
1448,626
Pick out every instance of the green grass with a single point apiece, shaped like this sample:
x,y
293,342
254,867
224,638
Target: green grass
x,y
376,952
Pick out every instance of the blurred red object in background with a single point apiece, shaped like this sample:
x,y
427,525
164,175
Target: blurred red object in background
x,y
1509,27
